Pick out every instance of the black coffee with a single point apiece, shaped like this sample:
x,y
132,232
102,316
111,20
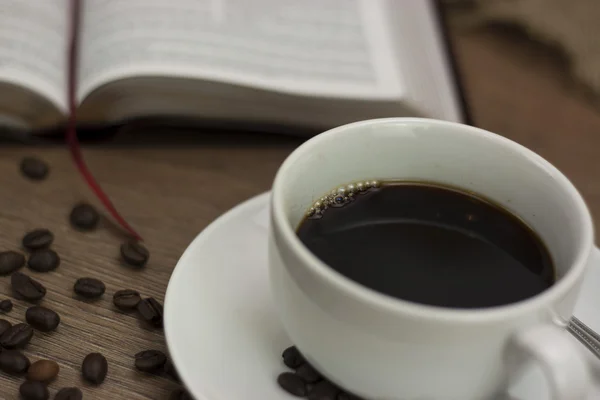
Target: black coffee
x,y
428,244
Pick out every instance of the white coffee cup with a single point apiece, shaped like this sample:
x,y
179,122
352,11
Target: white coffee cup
x,y
384,348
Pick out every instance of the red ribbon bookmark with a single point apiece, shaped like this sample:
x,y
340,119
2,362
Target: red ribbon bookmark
x,y
71,133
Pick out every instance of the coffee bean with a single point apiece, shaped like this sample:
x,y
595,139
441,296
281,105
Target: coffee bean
x,y
308,374
44,260
13,362
34,168
31,390
151,311
180,394
292,384
292,357
6,306
70,393
150,360
348,396
10,261
43,371
84,217
89,288
126,299
134,253
16,337
170,371
38,239
26,287
94,368
42,318
4,326
323,390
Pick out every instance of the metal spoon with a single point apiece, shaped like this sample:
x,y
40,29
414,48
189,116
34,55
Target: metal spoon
x,y
585,335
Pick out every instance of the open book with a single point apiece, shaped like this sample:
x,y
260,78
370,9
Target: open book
x,y
312,62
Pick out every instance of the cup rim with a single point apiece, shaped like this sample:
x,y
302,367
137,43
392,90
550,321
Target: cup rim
x,y
417,310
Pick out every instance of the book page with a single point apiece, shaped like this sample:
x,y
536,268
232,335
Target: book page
x,y
311,47
33,45
425,64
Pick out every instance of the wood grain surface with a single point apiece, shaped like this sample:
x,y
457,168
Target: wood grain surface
x,y
171,193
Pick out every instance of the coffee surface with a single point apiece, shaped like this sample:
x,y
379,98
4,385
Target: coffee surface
x,y
432,245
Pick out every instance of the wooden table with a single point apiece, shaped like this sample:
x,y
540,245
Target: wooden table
x,y
171,194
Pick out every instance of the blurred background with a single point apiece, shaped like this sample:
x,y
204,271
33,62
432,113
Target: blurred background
x,y
525,69
531,72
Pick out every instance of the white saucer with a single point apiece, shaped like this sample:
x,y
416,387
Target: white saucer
x,y
221,328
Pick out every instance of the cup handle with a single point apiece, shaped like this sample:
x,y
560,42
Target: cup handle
x,y
562,363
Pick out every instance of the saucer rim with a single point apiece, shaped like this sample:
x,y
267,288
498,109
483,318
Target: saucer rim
x,y
232,213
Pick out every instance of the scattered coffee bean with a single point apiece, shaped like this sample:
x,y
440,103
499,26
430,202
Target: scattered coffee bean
x,y
16,337
308,374
4,326
89,288
151,311
6,306
84,217
134,253
292,384
38,239
324,390
170,371
126,299
34,168
150,360
26,287
42,318
43,371
13,362
180,394
70,393
32,390
348,396
292,357
94,368
10,261
44,260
